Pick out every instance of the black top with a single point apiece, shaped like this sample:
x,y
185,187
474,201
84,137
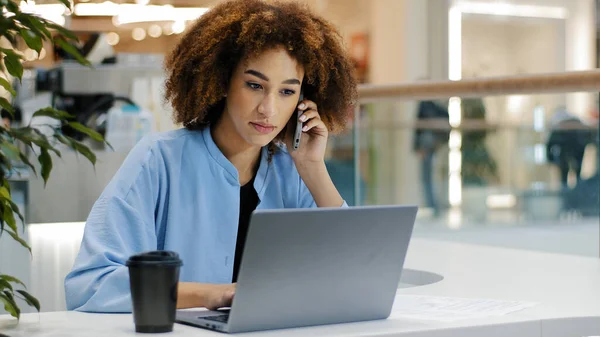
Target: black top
x,y
248,203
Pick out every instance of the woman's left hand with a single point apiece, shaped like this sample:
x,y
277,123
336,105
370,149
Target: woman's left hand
x,y
313,140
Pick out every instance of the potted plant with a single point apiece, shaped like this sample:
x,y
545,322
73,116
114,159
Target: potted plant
x,y
19,145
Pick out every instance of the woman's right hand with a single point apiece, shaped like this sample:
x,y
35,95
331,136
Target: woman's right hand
x,y
210,296
219,296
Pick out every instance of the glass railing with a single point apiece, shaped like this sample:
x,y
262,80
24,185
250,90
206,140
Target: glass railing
x,y
512,153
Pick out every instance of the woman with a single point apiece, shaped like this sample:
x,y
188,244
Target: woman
x,y
234,82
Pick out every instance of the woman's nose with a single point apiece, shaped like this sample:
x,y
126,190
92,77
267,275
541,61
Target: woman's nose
x,y
267,107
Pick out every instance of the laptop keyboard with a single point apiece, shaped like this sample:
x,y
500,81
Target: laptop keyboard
x,y
217,318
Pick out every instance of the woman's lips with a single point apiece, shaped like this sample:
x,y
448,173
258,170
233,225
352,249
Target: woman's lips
x,y
263,128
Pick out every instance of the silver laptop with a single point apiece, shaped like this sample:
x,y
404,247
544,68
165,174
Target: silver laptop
x,y
307,267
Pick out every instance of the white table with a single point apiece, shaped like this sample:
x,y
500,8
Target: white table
x,y
566,288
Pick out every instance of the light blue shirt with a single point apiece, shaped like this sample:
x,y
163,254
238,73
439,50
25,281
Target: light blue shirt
x,y
175,191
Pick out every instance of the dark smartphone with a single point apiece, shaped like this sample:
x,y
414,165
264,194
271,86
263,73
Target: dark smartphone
x,y
298,130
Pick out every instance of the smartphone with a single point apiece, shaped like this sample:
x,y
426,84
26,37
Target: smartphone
x,y
298,130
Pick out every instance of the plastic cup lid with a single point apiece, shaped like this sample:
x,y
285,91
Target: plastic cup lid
x,y
155,258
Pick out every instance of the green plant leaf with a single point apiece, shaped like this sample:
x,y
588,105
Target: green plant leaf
x,y
16,209
13,65
5,162
44,142
9,203
85,151
32,301
46,161
4,285
26,161
5,104
68,141
9,304
11,52
24,135
32,40
8,217
17,238
4,193
12,279
84,129
30,135
62,31
6,85
69,48
34,23
53,113
12,6
10,150
11,37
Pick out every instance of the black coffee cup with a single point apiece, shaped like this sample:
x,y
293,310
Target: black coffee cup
x,y
153,280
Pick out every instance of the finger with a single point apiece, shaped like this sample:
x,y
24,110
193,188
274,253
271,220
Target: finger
x,y
308,115
315,122
307,105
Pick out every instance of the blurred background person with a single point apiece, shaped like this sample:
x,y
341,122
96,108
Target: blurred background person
x,y
566,145
432,132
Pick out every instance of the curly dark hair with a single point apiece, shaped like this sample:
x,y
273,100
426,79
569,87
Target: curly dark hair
x,y
201,65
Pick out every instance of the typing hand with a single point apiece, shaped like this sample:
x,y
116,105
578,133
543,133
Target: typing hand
x,y
219,296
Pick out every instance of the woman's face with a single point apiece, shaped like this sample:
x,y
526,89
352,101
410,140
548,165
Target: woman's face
x,y
263,95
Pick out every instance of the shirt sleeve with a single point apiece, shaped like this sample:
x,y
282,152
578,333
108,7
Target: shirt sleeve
x,y
305,198
120,224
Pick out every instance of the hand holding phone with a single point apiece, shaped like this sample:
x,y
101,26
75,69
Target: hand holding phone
x,y
298,130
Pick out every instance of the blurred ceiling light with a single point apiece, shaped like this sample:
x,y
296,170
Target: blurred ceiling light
x,y
138,34
455,140
454,111
112,38
42,54
167,29
539,117
159,13
106,8
178,27
132,13
155,31
515,103
30,54
539,153
455,218
501,201
52,12
142,2
508,9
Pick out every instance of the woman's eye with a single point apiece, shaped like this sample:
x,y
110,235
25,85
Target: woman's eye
x,y
288,92
254,86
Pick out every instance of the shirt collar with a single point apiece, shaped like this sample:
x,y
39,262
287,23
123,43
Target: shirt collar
x,y
263,169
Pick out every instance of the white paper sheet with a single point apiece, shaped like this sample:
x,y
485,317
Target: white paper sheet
x,y
449,309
